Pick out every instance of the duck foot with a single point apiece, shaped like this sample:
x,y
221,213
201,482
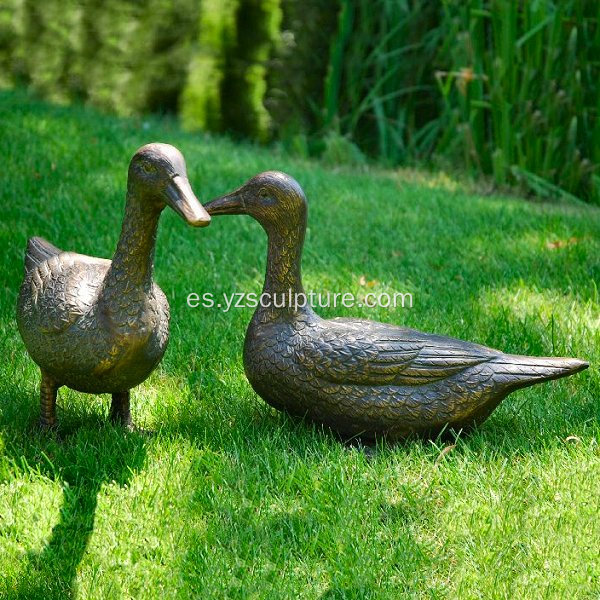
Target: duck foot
x,y
42,427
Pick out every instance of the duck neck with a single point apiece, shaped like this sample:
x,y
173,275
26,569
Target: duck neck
x,y
132,265
283,280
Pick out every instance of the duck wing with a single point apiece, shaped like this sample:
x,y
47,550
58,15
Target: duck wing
x,y
370,353
38,251
59,290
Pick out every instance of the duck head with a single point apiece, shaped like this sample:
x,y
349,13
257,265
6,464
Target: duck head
x,y
274,199
157,174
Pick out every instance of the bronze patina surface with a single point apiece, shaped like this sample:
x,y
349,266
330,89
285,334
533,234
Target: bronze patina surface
x,y
360,377
102,326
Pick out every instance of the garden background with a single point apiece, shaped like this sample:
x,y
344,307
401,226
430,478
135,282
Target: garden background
x,y
504,88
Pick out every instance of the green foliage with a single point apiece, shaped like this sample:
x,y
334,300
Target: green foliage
x,y
499,86
522,92
122,56
139,53
12,25
171,28
379,86
229,498
227,79
128,56
297,73
200,105
505,88
108,76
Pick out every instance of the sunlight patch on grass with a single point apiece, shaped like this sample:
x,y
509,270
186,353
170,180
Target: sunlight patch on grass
x,y
435,180
29,509
560,314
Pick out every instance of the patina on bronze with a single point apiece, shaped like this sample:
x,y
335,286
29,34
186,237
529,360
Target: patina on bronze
x,y
359,377
102,326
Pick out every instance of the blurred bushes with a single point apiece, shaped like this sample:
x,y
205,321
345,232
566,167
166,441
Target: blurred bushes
x,y
201,98
130,56
125,57
245,74
298,69
227,76
501,87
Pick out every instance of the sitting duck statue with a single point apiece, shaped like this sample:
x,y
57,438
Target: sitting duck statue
x,y
361,378
102,326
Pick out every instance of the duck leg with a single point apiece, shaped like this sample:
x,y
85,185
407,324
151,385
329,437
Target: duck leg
x,y
119,409
48,392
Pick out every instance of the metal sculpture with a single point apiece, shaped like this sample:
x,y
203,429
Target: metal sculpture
x,y
359,377
102,326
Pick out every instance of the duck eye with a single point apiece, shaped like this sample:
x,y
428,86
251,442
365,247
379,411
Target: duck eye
x,y
148,169
267,199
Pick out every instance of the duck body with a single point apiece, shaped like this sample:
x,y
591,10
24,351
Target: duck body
x,y
361,378
369,379
97,325
97,345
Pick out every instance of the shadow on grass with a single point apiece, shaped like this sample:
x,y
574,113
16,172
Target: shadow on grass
x,y
82,457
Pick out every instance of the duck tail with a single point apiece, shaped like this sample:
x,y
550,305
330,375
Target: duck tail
x,y
38,251
518,372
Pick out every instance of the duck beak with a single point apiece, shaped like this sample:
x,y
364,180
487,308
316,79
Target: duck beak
x,y
231,204
183,201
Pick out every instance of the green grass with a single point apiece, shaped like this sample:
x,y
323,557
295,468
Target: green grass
x,y
231,499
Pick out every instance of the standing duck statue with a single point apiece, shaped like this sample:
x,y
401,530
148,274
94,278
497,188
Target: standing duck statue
x,y
102,326
360,377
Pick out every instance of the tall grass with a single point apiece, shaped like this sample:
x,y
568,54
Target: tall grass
x,y
524,92
502,87
378,88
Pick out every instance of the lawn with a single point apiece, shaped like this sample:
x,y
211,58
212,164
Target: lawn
x,y
229,498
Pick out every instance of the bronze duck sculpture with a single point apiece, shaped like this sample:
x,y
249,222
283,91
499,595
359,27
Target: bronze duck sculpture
x,y
361,378
102,326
